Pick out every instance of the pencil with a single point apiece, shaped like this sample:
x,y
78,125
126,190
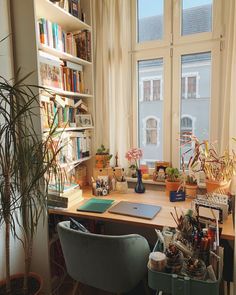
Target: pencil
x,y
176,214
174,218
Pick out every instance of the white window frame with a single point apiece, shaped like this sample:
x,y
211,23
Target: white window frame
x,y
171,48
144,122
151,79
190,75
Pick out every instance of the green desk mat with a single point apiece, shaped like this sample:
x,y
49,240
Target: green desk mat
x,y
96,205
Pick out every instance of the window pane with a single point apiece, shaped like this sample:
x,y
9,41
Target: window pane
x,y
147,90
156,89
195,110
150,20
196,16
151,112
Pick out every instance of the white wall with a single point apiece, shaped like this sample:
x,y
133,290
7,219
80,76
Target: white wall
x,y
6,70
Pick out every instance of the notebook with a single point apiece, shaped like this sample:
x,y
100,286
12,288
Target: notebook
x,y
135,209
96,205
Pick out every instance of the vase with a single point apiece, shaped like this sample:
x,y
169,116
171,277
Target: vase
x,y
139,187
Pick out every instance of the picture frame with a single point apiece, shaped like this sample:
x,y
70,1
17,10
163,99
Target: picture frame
x,y
84,120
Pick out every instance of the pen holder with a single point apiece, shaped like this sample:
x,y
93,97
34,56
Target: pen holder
x,y
122,187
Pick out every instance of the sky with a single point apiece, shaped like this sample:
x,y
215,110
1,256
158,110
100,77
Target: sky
x,y
155,7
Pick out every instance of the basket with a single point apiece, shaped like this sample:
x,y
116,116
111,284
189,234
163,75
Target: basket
x,y
180,285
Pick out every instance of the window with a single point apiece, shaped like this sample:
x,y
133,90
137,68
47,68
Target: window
x,y
151,131
186,130
175,62
196,16
189,84
156,89
152,90
150,20
146,90
150,108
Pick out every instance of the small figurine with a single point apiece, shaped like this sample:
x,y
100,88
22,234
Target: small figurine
x,y
116,157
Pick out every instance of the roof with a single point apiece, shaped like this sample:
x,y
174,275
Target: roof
x,y
196,19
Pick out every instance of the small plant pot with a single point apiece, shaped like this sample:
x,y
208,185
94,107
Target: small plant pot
x,y
217,187
102,161
191,190
172,186
122,187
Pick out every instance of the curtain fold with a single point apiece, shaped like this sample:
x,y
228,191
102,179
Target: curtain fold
x,y
111,19
228,76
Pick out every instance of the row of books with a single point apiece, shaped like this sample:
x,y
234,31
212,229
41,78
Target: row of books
x,y
77,44
73,146
61,111
62,75
71,6
73,77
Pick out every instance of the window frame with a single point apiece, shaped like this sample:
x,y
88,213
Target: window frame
x,y
151,79
148,55
145,130
171,48
186,76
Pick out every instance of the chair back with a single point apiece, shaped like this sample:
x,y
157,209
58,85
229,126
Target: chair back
x,y
111,263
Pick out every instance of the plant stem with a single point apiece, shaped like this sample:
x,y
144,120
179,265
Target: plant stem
x,y
7,233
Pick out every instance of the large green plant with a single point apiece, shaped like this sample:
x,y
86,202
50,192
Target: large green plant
x,y
25,159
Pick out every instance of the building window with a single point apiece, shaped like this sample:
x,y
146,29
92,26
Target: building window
x,y
146,90
189,86
186,130
151,131
152,89
156,89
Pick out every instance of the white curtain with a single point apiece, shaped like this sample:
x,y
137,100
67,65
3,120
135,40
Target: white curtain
x,y
228,76
111,20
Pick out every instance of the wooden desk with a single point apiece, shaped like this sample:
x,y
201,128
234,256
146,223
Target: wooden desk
x,y
163,218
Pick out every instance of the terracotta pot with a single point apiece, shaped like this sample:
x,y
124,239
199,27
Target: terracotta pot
x,y
191,190
172,186
216,186
102,161
19,277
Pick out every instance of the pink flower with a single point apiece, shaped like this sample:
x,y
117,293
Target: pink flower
x,y
133,155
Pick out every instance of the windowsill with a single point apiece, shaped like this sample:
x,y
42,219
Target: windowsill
x,y
147,181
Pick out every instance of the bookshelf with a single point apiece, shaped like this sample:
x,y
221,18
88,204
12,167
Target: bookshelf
x,y
48,15
27,48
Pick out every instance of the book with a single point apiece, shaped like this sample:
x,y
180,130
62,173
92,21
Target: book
x,y
62,190
67,200
96,205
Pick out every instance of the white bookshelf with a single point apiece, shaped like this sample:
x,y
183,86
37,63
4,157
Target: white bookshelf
x,y
49,10
63,55
75,163
53,90
26,45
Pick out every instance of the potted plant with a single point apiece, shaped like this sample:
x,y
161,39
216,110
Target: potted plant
x,y
217,167
25,158
190,186
102,157
172,180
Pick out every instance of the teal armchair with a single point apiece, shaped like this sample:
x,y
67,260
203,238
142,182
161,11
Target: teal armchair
x,y
111,263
